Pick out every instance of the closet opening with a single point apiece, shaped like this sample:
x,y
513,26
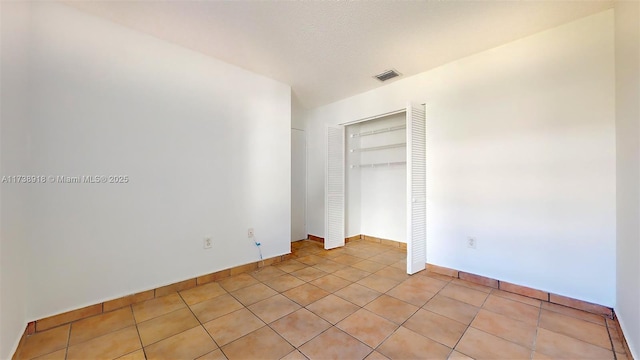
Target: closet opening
x,y
376,182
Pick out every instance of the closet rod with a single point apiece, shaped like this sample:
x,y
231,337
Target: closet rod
x,y
382,147
380,131
378,164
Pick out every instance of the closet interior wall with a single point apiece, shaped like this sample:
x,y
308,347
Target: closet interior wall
x,y
376,195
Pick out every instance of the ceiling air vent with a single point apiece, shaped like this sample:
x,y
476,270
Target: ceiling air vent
x,y
386,75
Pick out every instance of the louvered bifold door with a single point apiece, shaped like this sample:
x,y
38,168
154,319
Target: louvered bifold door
x,y
334,188
416,189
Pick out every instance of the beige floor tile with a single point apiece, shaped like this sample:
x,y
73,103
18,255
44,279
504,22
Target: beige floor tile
x,y
480,345
505,327
367,327
391,308
216,307
539,356
516,297
136,355
156,307
329,266
283,283
273,308
393,273
332,308
425,283
410,294
512,308
579,314
378,283
300,326
436,327
406,344
310,260
295,355
202,293
260,344
453,309
214,355
470,285
464,294
45,342
360,252
308,274
89,328
335,344
358,294
307,251
402,265
396,254
238,282
305,294
332,253
376,356
383,259
267,272
578,329
163,326
109,346
232,326
188,344
559,346
455,355
254,293
437,276
351,274
330,283
347,259
56,355
290,266
368,265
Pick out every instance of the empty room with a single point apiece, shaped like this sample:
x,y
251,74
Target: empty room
x,y
320,180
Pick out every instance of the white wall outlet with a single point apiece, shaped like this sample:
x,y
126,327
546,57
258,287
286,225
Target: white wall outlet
x,y
471,243
250,233
207,243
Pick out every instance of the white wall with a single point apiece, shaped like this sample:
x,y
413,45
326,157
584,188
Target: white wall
x,y
298,171
627,19
298,185
14,154
376,197
206,146
521,155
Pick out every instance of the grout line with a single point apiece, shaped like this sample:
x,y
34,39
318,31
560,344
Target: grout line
x,y
199,322
135,323
615,356
472,320
66,350
535,339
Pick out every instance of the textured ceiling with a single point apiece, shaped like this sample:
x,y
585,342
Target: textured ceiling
x,y
330,50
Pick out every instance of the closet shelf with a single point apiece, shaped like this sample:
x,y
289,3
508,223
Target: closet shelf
x,y
372,148
378,164
379,131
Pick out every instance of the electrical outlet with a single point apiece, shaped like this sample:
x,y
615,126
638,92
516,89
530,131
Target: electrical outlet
x,y
471,243
250,233
207,243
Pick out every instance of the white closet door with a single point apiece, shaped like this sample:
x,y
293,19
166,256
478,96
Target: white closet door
x,y
334,188
416,189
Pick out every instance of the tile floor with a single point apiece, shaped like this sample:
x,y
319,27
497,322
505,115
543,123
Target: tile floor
x,y
350,303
